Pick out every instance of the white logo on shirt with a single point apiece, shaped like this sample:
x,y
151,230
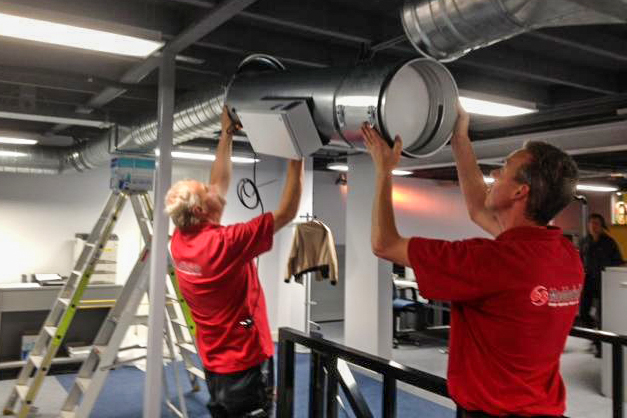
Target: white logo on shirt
x,y
555,297
189,268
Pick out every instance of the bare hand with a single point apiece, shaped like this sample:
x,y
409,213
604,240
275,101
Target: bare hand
x,y
228,126
385,158
462,123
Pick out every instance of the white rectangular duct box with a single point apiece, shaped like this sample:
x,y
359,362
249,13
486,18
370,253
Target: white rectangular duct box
x,y
281,129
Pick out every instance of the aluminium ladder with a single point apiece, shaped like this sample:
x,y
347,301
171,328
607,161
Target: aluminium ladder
x,y
92,374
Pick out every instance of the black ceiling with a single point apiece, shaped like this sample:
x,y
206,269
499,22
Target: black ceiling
x,y
575,75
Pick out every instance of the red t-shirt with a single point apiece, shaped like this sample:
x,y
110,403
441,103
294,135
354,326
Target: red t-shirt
x,y
513,302
218,279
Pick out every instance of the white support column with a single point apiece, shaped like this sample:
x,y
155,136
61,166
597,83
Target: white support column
x,y
158,259
368,296
292,295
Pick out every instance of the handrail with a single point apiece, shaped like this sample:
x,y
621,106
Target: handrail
x,y
330,355
328,361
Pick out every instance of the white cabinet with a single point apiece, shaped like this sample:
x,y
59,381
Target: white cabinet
x,y
614,317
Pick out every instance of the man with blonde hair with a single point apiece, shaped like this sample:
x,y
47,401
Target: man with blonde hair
x,y
218,278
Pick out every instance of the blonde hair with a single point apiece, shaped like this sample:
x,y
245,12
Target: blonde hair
x,y
181,200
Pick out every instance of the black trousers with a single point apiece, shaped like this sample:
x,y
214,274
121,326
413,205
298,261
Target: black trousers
x,y
249,393
462,413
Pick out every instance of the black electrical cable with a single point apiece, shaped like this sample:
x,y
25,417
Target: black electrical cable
x,y
246,190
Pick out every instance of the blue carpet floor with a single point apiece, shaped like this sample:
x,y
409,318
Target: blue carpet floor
x,y
122,395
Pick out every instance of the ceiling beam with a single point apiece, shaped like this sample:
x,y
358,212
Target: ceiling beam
x,y
600,45
216,17
503,60
50,116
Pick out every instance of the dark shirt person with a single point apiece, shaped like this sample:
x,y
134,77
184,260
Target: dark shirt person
x,y
218,278
598,250
513,298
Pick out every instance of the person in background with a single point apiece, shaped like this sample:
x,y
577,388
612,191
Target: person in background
x,y
598,250
218,278
513,298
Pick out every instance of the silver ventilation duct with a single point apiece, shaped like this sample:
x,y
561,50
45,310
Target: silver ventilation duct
x,y
415,99
192,119
448,29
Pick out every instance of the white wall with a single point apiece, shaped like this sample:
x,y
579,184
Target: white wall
x,y
40,214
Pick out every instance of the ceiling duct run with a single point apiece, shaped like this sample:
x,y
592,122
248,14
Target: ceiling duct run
x,y
444,30
199,117
447,30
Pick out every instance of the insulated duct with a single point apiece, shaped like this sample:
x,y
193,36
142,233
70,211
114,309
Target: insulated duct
x,y
192,119
448,29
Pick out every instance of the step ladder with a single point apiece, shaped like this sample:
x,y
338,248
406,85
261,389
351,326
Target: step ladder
x,y
60,317
177,310
104,354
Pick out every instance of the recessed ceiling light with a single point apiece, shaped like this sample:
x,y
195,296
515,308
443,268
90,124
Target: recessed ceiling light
x,y
17,141
75,36
12,154
596,188
338,167
489,108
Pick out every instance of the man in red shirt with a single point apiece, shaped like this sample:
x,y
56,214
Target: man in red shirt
x,y
218,277
513,298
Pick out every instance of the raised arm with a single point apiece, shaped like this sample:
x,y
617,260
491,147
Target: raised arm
x,y
470,176
386,242
221,168
290,200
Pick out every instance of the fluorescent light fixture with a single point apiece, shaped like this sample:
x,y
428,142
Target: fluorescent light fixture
x,y
344,168
181,155
338,167
595,188
488,180
17,141
489,108
12,154
75,37
401,172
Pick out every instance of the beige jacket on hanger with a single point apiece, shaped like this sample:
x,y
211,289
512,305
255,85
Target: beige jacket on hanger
x,y
313,250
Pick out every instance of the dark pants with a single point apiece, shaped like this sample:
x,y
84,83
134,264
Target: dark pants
x,y
249,393
462,413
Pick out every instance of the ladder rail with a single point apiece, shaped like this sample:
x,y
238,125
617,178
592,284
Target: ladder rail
x,y
62,312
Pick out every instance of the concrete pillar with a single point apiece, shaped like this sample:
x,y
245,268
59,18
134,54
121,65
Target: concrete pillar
x,y
368,296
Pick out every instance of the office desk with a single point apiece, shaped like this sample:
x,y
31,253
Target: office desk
x,y
24,307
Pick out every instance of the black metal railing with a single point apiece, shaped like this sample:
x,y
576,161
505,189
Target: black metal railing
x,y
618,371
329,370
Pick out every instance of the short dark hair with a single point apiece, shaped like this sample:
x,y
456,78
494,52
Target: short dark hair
x,y
599,218
552,177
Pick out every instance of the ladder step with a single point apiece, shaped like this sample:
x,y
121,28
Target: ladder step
x,y
51,331
189,347
21,390
36,360
197,372
180,322
83,383
140,320
77,273
99,349
65,301
171,297
67,414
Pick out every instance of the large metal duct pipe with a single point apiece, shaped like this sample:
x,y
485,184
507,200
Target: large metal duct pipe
x,y
415,99
192,119
448,29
